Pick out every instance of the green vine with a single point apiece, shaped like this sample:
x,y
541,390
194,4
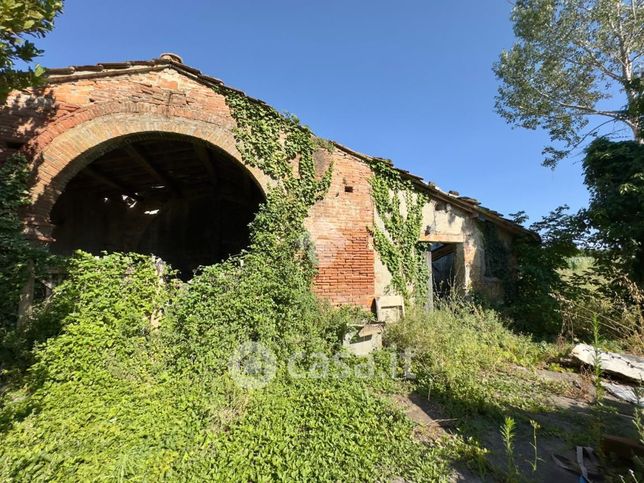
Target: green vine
x,y
133,341
398,244
277,144
498,261
18,257
283,149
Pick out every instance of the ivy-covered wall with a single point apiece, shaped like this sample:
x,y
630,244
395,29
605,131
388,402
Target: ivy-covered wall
x,y
477,245
366,237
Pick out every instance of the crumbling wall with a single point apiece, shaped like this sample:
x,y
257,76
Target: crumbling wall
x,y
449,224
76,117
59,125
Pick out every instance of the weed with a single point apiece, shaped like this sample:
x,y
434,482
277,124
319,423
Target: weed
x,y
507,433
535,461
466,356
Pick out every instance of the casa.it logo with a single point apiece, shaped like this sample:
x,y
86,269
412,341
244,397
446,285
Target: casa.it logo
x,y
253,365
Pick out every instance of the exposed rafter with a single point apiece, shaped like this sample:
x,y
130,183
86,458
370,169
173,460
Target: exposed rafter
x,y
136,155
204,157
111,183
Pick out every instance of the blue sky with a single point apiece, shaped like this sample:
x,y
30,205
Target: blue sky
x,y
407,80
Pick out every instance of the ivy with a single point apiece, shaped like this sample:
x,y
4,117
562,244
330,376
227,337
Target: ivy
x,y
276,144
282,148
400,209
14,249
19,260
113,395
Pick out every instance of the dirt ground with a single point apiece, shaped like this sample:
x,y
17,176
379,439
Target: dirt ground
x,y
571,421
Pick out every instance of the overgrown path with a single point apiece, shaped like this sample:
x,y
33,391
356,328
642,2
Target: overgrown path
x,y
568,421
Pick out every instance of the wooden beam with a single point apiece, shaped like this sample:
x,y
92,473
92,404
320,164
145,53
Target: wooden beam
x,y
111,183
204,156
442,238
135,154
443,251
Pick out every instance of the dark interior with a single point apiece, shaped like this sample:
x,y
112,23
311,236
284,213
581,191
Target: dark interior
x,y
443,268
180,199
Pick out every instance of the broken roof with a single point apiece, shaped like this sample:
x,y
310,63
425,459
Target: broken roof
x,y
173,61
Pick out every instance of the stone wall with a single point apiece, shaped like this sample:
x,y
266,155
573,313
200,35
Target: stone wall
x,y
447,223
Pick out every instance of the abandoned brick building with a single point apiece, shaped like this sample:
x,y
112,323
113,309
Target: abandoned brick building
x,y
141,156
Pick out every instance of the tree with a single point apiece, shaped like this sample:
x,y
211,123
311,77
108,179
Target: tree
x,y
533,295
20,19
614,175
574,61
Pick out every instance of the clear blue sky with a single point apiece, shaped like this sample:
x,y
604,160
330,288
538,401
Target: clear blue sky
x,y
407,80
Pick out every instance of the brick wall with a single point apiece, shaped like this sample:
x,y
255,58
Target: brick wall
x,y
340,226
60,124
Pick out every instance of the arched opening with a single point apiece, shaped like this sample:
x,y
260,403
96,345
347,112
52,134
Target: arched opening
x,y
173,196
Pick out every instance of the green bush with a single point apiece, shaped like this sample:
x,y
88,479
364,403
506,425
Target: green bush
x,y
616,304
135,385
128,373
465,356
532,296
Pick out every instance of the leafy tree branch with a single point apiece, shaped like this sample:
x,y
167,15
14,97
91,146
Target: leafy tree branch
x,y
573,60
19,21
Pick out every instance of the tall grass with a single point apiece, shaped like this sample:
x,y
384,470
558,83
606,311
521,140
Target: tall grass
x,y
592,298
467,357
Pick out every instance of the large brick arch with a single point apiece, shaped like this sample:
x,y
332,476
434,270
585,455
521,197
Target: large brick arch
x,y
70,144
85,111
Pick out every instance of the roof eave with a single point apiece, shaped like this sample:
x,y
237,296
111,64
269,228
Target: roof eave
x,y
67,74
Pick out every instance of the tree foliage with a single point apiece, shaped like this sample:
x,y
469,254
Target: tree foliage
x,y
614,174
532,297
21,20
573,61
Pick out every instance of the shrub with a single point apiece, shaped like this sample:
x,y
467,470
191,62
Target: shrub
x,y
614,175
532,297
616,304
135,385
467,357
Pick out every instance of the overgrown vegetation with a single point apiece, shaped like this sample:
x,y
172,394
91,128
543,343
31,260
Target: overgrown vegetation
x,y
113,396
574,61
498,256
616,304
467,357
133,380
399,207
614,174
19,260
15,251
532,294
477,374
127,373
